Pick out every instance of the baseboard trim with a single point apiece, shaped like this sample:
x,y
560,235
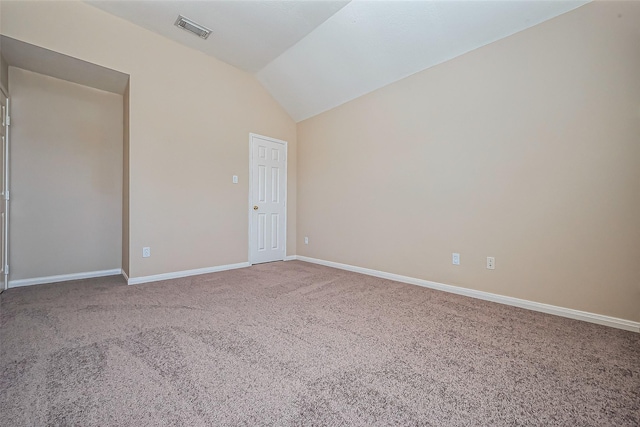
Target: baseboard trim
x,y
290,258
125,275
185,273
600,319
63,278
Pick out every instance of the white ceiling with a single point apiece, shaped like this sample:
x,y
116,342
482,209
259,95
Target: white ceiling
x,y
369,44
246,34
315,55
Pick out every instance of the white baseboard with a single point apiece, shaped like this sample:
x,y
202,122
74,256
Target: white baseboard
x,y
185,273
125,275
516,302
63,278
290,258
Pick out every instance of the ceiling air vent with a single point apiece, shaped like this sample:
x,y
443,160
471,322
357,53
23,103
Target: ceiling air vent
x,y
192,27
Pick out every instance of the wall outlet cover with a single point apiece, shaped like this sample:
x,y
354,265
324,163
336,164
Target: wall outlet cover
x,y
455,258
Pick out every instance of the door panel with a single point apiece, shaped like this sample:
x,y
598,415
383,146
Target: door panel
x,y
267,217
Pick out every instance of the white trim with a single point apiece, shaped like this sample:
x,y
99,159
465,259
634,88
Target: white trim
x,y
125,275
516,302
5,191
185,273
63,278
286,187
290,258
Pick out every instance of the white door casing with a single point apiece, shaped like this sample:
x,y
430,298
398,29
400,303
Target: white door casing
x,y
267,199
4,191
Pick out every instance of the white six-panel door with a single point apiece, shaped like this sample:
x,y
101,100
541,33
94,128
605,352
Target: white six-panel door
x,y
267,199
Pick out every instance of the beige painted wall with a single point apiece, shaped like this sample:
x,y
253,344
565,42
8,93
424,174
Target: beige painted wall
x,y
527,150
4,68
190,119
66,177
4,72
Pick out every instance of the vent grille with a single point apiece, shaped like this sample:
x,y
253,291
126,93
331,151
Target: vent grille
x,y
192,27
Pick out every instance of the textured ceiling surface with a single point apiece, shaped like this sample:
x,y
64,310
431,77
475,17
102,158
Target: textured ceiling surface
x,y
315,55
245,34
368,45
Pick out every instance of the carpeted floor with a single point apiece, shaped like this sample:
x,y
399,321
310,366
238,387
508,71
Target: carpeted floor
x,y
300,344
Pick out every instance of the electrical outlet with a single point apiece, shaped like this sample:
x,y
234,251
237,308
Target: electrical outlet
x,y
306,240
235,179
146,252
455,258
491,263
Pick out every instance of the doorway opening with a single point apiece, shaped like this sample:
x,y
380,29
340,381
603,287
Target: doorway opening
x,y
68,167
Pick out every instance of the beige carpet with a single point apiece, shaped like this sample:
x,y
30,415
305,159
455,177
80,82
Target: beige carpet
x,y
299,344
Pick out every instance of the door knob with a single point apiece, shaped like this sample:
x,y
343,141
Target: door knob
x,y
255,208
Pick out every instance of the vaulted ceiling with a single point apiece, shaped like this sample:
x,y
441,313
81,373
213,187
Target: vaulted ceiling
x,y
315,55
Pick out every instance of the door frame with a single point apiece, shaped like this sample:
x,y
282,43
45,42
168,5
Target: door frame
x,y
5,195
286,180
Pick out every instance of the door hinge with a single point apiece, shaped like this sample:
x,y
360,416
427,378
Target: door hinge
x,y
6,269
6,195
8,120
